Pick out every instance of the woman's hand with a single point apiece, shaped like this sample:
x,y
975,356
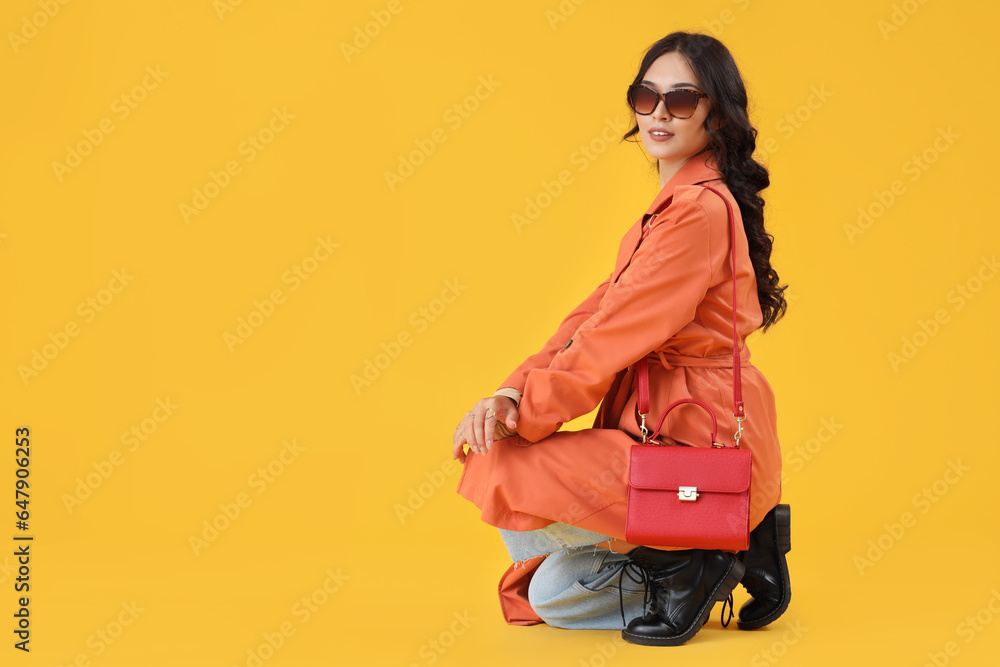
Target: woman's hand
x,y
479,431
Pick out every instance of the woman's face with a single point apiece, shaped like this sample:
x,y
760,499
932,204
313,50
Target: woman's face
x,y
685,136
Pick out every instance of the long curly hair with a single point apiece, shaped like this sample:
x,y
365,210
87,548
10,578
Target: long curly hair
x,y
732,138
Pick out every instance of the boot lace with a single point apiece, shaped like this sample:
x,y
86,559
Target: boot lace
x,y
722,615
639,575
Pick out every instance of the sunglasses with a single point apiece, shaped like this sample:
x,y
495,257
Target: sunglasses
x,y
680,102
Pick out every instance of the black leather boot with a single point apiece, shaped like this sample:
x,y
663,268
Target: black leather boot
x,y
684,586
766,577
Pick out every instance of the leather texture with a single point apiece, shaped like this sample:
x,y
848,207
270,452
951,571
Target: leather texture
x,y
717,519
685,585
766,578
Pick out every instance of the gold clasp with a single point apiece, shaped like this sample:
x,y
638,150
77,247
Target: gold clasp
x,y
687,492
646,440
739,430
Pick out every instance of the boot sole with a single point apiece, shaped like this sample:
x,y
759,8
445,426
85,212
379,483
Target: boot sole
x,y
722,590
783,538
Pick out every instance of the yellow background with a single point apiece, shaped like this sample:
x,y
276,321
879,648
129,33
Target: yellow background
x,y
846,93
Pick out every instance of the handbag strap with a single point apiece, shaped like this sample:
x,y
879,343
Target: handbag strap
x,y
642,368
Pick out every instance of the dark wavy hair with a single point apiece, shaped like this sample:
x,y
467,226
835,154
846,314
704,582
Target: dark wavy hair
x,y
732,138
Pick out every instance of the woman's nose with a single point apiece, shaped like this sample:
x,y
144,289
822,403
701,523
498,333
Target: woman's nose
x,y
660,110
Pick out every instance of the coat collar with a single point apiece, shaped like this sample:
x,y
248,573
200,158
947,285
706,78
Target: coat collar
x,y
699,168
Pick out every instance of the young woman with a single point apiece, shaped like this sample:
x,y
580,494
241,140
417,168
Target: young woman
x,y
559,497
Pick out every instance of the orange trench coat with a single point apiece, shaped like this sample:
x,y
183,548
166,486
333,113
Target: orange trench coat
x,y
670,298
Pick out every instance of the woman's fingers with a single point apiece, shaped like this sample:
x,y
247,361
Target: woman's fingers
x,y
500,419
491,418
473,429
478,428
463,435
504,431
510,416
489,427
458,450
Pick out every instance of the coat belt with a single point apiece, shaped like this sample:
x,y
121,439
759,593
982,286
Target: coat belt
x,y
614,401
670,360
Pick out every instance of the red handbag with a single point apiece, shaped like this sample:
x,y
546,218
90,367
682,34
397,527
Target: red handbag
x,y
690,497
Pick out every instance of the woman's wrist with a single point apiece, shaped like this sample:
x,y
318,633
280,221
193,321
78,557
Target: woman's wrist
x,y
511,393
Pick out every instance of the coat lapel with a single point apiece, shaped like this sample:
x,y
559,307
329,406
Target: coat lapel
x,y
698,169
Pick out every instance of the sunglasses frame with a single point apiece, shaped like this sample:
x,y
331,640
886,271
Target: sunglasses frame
x,y
663,96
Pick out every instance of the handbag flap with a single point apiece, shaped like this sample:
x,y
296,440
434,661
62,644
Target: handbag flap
x,y
708,468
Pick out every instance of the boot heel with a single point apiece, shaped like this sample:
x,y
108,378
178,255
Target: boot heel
x,y
783,524
730,583
772,579
735,575
724,590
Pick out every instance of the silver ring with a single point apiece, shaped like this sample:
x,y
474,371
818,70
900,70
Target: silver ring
x,y
488,411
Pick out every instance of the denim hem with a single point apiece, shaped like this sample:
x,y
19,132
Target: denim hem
x,y
525,544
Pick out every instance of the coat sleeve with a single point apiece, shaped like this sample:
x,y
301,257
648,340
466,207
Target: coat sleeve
x,y
653,298
565,331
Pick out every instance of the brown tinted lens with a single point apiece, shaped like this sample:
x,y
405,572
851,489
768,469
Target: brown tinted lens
x,y
642,99
681,103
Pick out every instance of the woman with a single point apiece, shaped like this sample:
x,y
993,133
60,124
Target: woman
x,y
558,498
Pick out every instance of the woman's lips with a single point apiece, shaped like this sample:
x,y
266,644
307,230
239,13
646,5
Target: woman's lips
x,y
659,137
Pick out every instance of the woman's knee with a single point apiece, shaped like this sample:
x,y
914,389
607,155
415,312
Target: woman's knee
x,y
570,588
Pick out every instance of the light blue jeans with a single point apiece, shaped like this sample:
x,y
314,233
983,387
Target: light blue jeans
x,y
577,585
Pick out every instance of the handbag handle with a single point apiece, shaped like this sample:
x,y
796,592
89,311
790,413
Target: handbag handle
x,y
642,366
711,436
